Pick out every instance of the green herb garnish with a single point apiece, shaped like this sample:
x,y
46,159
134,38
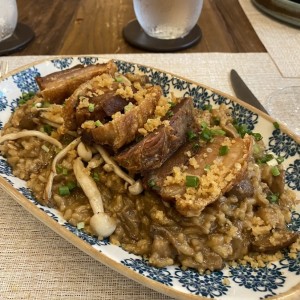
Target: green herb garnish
x,y
192,181
47,129
276,125
265,158
280,159
273,198
223,150
98,123
169,113
96,176
191,135
71,185
119,79
207,107
64,190
152,184
91,107
275,171
25,97
207,168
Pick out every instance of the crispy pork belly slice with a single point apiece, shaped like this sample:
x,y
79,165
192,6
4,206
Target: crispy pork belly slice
x,y
122,129
74,114
154,149
154,179
217,174
58,86
104,106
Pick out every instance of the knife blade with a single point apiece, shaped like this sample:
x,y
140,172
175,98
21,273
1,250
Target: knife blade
x,y
243,92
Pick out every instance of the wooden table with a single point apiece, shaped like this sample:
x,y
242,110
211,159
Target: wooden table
x,y
95,27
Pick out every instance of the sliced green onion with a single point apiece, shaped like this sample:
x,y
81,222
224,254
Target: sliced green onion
x,y
217,132
257,136
206,134
98,123
280,159
71,185
256,149
191,135
59,169
275,171
207,107
204,125
223,150
169,113
119,79
47,129
63,190
192,181
91,107
80,225
171,103
242,129
207,167
265,158
152,184
65,171
129,107
276,125
273,198
96,176
25,97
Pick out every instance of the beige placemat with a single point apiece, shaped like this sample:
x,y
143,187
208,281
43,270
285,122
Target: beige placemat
x,y
36,263
281,40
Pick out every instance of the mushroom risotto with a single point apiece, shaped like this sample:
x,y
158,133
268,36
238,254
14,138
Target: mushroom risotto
x,y
160,178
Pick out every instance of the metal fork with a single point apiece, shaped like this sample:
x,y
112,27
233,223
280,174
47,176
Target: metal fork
x,y
3,68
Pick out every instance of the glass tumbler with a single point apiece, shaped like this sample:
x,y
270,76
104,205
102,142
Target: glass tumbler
x,y
167,19
8,18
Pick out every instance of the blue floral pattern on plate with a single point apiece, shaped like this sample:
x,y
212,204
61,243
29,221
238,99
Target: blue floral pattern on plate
x,y
252,283
207,285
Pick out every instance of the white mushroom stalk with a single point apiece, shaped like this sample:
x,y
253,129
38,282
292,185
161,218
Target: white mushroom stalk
x,y
48,189
29,133
135,187
101,223
56,125
84,152
64,152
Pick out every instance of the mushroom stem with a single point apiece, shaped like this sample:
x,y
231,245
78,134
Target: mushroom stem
x,y
64,152
103,224
135,187
48,189
28,133
56,125
84,152
88,186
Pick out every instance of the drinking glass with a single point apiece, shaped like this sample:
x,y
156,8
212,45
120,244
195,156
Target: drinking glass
x,y
167,19
8,18
284,105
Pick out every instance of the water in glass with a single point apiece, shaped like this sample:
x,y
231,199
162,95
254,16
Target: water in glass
x,y
167,19
8,18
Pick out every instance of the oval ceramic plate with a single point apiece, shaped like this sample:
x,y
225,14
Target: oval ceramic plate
x,y
275,280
